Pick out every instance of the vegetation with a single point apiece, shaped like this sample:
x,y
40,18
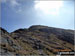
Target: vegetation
x,y
36,40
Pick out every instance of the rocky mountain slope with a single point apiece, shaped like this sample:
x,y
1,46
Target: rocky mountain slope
x,y
36,40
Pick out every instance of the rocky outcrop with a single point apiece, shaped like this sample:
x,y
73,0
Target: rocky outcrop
x,y
36,40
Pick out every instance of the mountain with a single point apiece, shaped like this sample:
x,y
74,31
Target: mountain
x,y
36,40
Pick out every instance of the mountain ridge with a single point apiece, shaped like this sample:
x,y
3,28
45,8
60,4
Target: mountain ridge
x,y
36,40
37,26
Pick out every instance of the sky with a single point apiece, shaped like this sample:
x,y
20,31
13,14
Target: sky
x,y
17,14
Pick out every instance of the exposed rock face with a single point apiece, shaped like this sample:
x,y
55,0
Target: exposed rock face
x,y
36,40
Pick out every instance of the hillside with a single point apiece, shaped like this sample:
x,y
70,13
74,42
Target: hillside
x,y
36,40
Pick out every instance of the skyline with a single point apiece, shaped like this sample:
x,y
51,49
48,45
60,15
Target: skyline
x,y
17,14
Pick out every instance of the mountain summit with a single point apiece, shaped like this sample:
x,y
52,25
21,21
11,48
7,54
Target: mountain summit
x,y
36,40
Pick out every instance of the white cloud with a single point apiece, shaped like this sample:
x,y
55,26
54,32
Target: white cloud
x,y
49,7
14,3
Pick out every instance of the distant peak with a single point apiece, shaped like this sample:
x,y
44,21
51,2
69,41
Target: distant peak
x,y
38,26
3,30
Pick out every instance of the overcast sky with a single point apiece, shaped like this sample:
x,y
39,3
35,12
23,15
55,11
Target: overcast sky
x,y
17,14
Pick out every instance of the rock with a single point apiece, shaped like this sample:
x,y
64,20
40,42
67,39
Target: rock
x,y
36,38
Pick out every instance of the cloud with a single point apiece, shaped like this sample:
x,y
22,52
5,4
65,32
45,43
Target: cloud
x,y
18,5
48,7
13,4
